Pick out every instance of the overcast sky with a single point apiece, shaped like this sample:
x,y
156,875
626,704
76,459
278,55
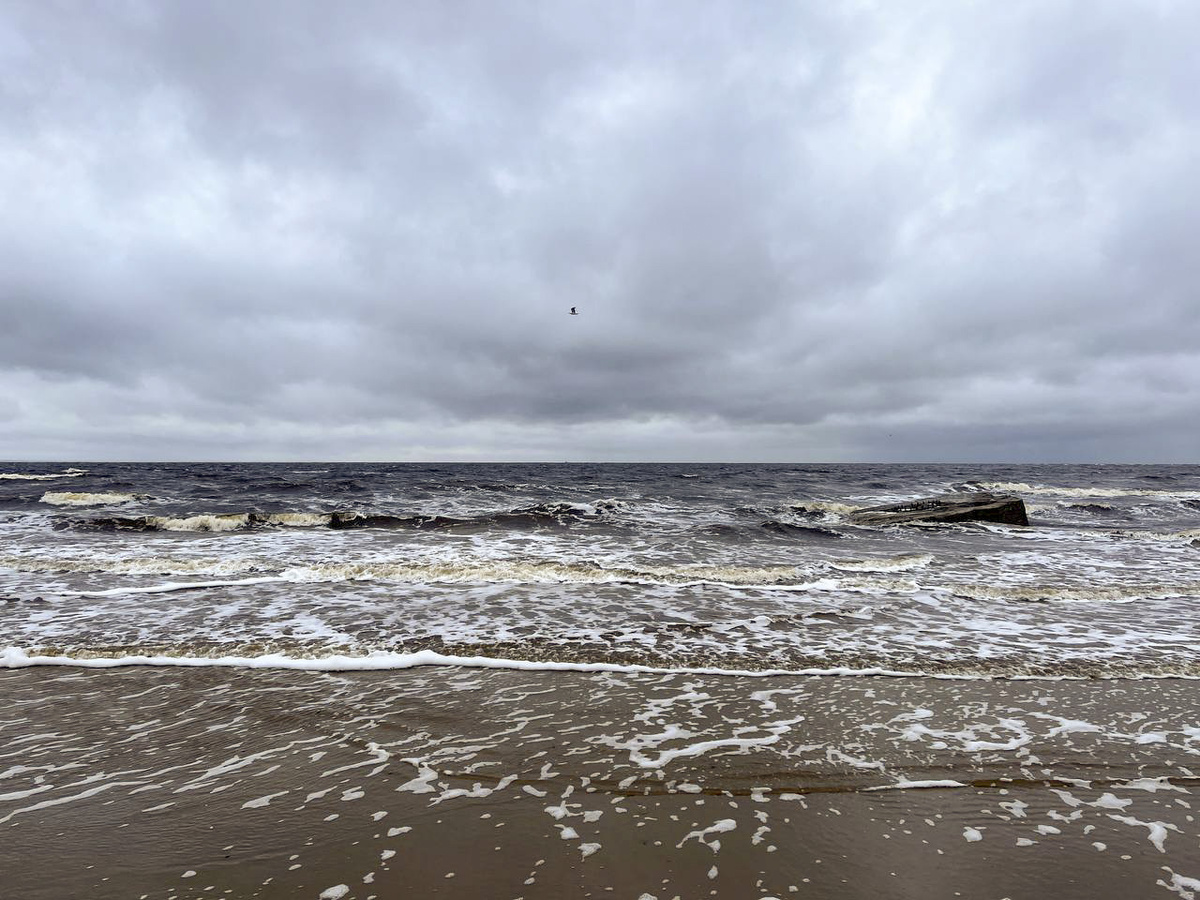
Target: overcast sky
x,y
835,231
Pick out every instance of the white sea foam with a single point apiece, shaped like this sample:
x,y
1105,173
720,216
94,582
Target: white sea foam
x,y
172,586
1157,830
1153,785
200,522
133,565
205,522
104,498
16,657
641,742
720,827
833,509
1083,594
296,520
1186,536
1185,887
905,785
544,572
22,476
905,562
469,571
1020,487
1110,801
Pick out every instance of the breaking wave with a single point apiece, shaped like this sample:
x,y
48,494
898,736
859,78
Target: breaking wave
x,y
539,572
104,498
1100,509
1020,487
862,576
1189,536
543,656
24,476
820,509
905,562
138,565
543,514
1088,594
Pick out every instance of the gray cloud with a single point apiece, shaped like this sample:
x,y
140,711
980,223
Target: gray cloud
x,y
849,231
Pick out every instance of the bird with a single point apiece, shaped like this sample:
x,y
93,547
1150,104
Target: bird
x,y
574,311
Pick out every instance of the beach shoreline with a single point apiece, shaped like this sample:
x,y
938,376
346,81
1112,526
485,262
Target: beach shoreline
x,y
456,782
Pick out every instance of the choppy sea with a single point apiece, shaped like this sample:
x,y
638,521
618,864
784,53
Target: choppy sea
x,y
684,567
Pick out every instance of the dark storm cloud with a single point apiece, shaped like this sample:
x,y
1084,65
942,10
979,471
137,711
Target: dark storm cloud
x,y
922,230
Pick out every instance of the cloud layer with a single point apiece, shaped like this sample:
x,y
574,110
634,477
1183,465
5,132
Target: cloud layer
x,y
843,231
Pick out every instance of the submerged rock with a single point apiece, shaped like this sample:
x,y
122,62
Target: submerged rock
x,y
976,506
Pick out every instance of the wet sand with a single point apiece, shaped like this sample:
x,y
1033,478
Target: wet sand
x,y
482,783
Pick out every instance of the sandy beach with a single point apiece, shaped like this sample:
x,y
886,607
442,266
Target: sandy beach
x,y
478,783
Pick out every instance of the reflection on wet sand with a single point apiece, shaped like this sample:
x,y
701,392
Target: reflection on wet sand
x,y
489,783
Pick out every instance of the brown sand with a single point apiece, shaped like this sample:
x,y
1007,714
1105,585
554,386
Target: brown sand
x,y
466,783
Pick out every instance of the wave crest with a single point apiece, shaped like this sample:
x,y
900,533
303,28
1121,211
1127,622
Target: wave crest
x,y
26,476
539,656
80,498
1021,487
542,514
822,509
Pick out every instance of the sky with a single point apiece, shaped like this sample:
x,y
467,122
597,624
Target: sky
x,y
905,230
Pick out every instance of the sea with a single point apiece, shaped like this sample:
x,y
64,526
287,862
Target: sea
x,y
675,567
356,681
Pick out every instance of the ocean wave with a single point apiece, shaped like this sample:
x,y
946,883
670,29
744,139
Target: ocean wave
x,y
1188,536
1020,487
534,572
346,659
779,527
173,587
23,476
320,656
1184,536
1090,594
824,508
209,522
1102,509
541,572
291,519
762,578
1110,535
904,562
558,514
138,565
103,498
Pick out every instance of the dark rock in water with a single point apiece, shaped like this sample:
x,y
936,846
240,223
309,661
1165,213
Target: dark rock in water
x,y
975,506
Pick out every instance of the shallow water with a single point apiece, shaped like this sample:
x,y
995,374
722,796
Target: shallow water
x,y
158,782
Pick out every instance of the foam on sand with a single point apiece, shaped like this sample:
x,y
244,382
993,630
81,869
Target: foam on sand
x,y
905,785
16,657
